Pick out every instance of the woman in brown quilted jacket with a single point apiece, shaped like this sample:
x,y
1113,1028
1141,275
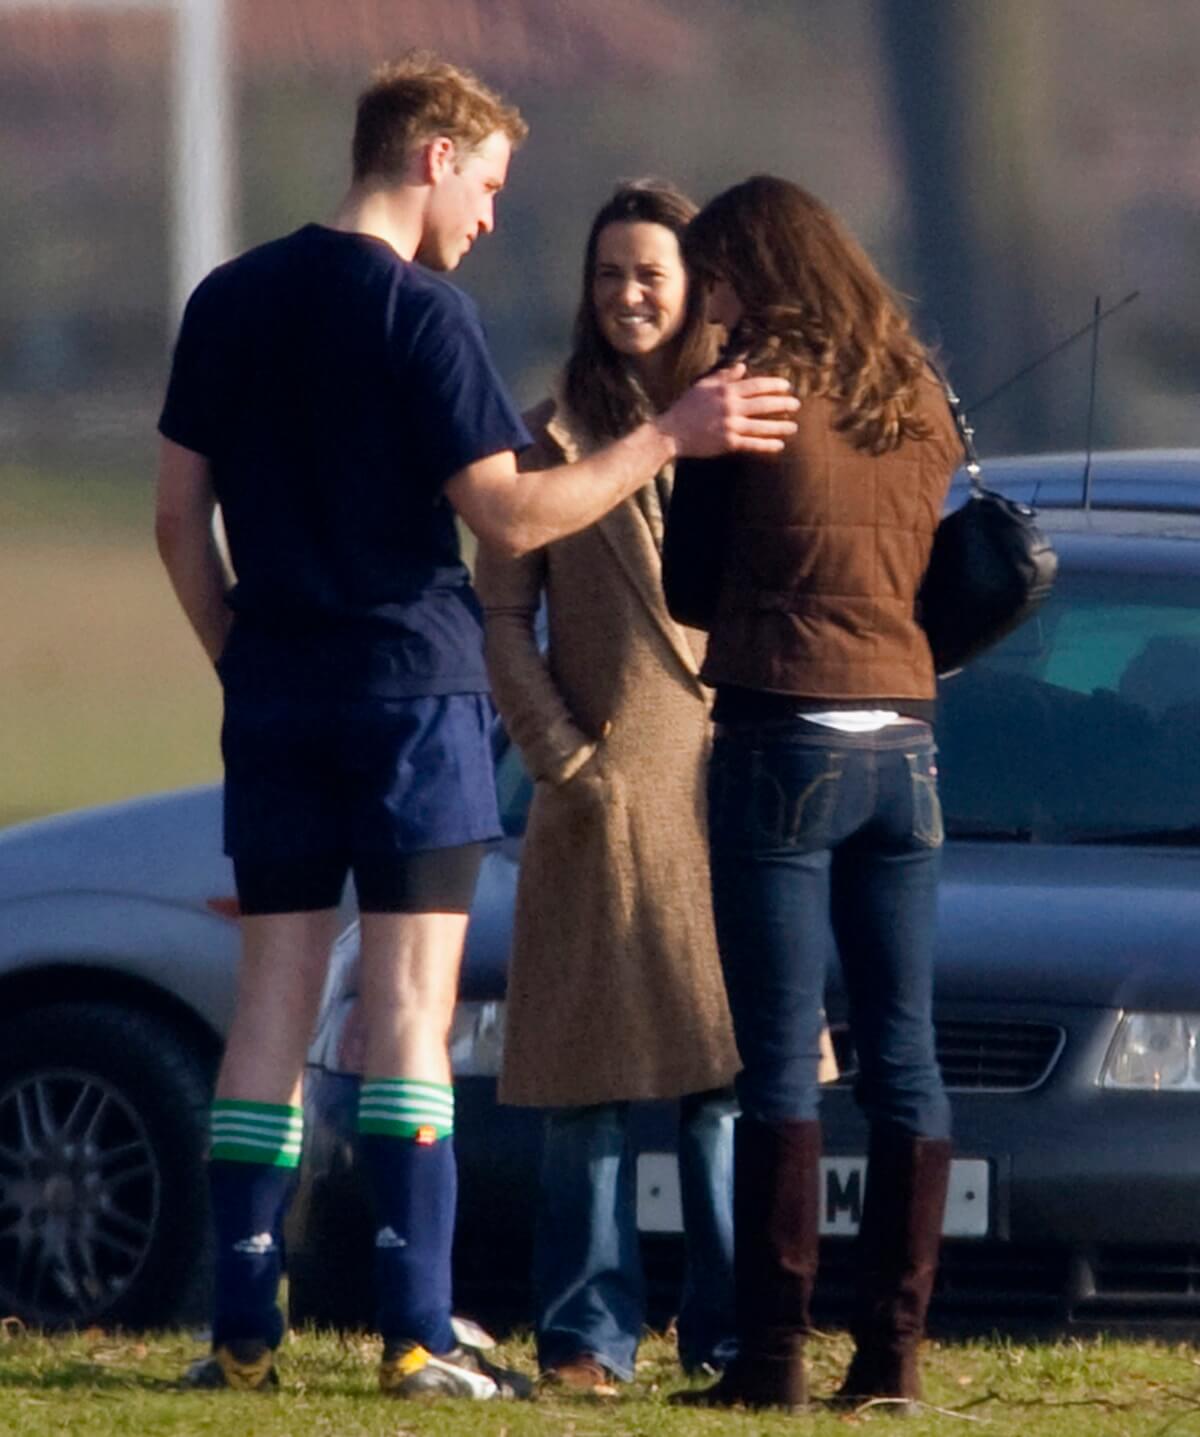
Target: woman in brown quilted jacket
x,y
824,820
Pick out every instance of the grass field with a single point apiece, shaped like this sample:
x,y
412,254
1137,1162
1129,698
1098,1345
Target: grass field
x,y
96,1383
103,691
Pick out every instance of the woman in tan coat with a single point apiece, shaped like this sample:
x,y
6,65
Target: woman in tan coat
x,y
615,991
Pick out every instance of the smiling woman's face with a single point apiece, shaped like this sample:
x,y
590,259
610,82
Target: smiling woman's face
x,y
640,287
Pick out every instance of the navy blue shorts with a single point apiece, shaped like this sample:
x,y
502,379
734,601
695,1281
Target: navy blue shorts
x,y
326,787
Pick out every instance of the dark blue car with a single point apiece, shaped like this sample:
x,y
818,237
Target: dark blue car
x,y
1068,978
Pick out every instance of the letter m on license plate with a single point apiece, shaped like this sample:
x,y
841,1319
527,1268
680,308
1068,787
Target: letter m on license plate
x,y
843,1182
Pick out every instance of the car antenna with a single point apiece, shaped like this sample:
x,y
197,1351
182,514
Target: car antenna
x,y
1091,413
1093,324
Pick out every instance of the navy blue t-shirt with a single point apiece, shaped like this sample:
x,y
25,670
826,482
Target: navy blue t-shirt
x,y
334,388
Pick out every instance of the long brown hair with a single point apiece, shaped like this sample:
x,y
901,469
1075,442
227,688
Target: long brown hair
x,y
600,386
814,307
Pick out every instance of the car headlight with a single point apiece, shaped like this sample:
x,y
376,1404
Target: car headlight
x,y
1155,1052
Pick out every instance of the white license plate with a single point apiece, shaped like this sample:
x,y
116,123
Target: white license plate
x,y
967,1202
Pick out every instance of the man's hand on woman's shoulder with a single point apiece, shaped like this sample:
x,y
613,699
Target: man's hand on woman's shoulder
x,y
727,411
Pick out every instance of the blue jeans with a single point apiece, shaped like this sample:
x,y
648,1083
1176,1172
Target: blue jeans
x,y
823,841
589,1291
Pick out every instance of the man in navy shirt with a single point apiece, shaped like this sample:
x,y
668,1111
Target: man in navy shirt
x,y
335,397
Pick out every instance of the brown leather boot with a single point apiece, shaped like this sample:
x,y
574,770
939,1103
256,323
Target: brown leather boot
x,y
898,1243
775,1204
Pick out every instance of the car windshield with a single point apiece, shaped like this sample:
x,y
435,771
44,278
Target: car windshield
x,y
1084,725
1081,727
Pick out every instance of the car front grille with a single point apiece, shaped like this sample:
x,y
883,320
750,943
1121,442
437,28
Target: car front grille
x,y
976,1281
993,1282
991,1056
1141,1275
999,1279
1004,1057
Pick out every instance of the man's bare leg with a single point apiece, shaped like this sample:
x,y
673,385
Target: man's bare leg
x,y
279,984
410,966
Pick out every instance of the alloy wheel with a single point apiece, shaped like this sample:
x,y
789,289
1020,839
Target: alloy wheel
x,y
80,1195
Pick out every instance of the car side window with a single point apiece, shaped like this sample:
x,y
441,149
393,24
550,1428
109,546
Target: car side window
x,y
1084,725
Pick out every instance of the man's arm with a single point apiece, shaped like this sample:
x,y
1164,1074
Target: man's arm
x,y
183,527
517,513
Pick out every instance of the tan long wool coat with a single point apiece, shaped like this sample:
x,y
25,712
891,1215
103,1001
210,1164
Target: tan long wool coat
x,y
614,989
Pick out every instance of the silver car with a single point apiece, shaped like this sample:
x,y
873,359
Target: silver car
x,y
117,958
118,951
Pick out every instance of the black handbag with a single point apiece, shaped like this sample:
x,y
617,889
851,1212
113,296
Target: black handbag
x,y
990,569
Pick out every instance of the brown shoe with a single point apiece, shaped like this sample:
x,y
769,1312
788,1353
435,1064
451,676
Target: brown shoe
x,y
584,1373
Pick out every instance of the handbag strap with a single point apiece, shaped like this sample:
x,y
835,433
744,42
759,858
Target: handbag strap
x,y
965,430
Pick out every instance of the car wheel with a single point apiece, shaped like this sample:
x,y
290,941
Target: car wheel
x,y
103,1200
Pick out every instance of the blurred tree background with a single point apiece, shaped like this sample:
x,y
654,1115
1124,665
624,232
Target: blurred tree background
x,y
1003,160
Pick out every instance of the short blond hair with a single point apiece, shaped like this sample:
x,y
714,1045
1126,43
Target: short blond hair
x,y
418,97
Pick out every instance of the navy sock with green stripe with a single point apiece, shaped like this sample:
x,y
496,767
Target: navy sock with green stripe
x,y
252,1171
406,1143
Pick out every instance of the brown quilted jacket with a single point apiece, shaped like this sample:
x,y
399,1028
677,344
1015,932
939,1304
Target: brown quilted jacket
x,y
823,557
